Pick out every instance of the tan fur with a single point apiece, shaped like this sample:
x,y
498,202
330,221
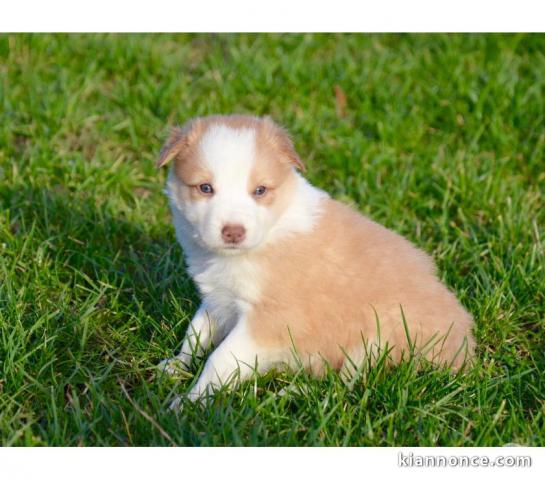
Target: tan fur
x,y
324,291
276,175
182,142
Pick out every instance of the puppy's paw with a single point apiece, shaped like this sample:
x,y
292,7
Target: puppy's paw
x,y
174,367
177,404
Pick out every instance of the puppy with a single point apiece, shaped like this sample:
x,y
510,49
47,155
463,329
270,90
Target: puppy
x,y
289,276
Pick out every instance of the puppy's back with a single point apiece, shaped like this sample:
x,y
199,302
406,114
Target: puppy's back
x,y
325,291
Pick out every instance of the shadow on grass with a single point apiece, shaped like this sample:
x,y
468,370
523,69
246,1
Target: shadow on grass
x,y
90,244
92,302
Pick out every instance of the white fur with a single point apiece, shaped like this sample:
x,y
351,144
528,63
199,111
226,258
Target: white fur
x,y
228,280
302,213
233,361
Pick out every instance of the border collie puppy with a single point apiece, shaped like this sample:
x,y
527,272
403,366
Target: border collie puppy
x,y
289,276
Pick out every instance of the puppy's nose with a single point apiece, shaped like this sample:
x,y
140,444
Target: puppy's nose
x,y
233,233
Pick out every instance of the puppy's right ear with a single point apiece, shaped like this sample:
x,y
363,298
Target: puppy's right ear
x,y
180,141
177,141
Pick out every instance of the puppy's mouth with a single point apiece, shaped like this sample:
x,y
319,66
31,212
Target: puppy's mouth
x,y
229,249
232,249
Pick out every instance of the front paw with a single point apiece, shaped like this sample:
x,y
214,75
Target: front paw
x,y
173,366
177,404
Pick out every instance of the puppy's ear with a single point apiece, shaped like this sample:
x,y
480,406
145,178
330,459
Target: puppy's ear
x,y
281,140
179,141
175,143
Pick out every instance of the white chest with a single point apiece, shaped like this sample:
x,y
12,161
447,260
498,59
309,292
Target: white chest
x,y
229,285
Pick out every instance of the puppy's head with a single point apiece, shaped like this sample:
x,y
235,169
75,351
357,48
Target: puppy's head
x,y
232,178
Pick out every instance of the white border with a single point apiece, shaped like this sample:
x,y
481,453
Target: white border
x,y
272,15
259,15
250,463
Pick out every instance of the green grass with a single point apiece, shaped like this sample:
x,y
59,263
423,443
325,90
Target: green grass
x,y
442,139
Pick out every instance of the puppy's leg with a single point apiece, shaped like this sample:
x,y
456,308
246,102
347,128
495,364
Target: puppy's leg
x,y
201,333
234,360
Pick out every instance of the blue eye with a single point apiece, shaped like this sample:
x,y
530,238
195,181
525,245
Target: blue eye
x,y
260,191
206,188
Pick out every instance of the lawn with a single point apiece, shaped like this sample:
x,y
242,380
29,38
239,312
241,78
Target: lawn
x,y
439,137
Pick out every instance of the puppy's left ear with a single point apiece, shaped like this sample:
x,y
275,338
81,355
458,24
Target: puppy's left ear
x,y
281,139
291,154
175,144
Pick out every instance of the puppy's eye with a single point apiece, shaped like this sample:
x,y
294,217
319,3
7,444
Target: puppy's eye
x,y
206,188
260,191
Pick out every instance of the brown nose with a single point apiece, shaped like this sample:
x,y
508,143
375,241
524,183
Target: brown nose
x,y
233,233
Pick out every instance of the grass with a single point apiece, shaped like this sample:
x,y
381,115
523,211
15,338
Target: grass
x,y
439,137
